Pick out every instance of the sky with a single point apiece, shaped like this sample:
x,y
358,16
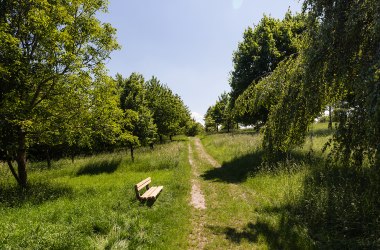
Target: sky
x,y
186,44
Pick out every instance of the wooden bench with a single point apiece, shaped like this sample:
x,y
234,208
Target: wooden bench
x,y
151,192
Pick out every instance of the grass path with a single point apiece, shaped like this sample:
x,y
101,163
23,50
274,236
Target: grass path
x,y
229,206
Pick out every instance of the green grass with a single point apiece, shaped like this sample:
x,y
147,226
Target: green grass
x,y
299,203
91,204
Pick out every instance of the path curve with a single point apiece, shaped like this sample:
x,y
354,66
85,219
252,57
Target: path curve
x,y
204,154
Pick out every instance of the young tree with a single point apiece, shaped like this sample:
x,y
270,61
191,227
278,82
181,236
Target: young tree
x,y
134,104
41,44
220,113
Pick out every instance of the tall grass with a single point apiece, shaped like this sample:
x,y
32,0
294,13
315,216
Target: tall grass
x,y
301,202
91,204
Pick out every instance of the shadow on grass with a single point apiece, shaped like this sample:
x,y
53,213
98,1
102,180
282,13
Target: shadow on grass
x,y
99,167
321,132
341,208
236,170
239,169
285,236
35,194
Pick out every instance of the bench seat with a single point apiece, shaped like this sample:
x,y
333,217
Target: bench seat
x,y
151,192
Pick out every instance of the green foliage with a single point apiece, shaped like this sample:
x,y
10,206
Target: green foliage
x,y
194,128
220,114
49,53
133,102
344,54
263,47
338,65
169,112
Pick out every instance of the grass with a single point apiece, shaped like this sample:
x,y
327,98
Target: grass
x,y
245,199
91,204
299,203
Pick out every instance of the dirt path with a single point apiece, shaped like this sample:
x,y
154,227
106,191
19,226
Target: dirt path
x,y
218,206
204,155
197,198
197,239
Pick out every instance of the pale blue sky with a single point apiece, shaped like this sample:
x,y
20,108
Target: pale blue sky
x,y
187,44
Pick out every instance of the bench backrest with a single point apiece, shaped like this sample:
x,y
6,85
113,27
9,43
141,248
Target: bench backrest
x,y
143,184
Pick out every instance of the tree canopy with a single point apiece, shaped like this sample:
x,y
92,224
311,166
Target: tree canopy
x,y
261,50
169,112
50,53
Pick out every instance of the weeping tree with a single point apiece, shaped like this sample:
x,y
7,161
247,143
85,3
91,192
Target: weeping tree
x,y
41,44
338,64
262,49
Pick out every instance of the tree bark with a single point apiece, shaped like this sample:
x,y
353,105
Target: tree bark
x,y
132,155
330,119
21,158
13,171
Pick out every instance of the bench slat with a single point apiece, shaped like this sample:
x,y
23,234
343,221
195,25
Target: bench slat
x,y
156,192
148,193
143,183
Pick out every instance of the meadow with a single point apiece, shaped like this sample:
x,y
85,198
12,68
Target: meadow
x,y
91,204
297,203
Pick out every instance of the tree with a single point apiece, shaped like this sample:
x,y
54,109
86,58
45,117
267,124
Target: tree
x,y
344,52
210,124
134,104
194,128
262,48
338,64
169,112
220,114
42,44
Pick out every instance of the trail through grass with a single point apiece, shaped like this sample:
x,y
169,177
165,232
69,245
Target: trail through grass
x,y
297,203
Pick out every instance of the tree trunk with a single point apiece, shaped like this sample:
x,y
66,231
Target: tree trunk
x,y
330,119
171,137
161,139
21,158
132,156
13,171
217,129
48,159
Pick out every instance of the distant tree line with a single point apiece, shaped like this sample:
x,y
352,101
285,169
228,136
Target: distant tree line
x,y
287,72
56,98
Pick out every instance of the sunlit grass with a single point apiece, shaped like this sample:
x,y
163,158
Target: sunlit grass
x,y
91,204
299,203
